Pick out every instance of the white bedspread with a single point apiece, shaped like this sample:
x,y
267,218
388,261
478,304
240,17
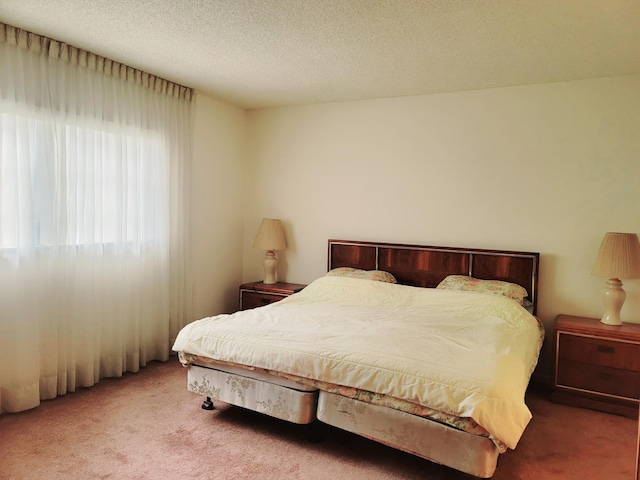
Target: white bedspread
x,y
463,353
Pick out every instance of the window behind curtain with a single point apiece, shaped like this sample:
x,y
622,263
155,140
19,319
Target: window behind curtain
x,y
87,185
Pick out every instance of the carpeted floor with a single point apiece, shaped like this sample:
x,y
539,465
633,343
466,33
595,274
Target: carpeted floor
x,y
147,426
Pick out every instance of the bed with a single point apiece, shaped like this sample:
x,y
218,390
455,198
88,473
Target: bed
x,y
426,349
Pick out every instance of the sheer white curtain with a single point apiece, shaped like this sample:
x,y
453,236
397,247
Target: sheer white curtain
x,y
93,218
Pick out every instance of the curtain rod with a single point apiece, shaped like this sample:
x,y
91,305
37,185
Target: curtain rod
x,y
53,48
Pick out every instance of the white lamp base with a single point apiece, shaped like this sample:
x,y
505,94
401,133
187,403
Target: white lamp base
x,y
270,266
613,299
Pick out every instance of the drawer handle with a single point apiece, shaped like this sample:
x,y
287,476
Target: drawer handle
x,y
605,376
265,300
605,349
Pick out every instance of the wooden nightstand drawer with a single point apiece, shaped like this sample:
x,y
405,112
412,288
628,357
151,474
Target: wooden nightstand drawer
x,y
255,299
258,294
598,351
594,378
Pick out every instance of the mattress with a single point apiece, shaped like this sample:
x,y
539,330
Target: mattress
x,y
461,353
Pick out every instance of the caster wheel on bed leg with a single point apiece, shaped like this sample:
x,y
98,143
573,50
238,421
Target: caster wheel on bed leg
x,y
208,404
316,431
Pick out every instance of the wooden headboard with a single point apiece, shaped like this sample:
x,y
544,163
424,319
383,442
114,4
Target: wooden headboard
x,y
426,266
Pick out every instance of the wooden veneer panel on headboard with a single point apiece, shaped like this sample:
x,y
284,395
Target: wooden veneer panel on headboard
x,y
422,268
426,266
364,257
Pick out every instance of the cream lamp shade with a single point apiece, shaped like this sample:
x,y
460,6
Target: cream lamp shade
x,y
618,257
270,237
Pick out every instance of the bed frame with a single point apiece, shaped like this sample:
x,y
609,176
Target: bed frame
x,y
416,265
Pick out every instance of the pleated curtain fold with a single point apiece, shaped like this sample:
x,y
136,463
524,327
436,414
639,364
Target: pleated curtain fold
x,y
94,247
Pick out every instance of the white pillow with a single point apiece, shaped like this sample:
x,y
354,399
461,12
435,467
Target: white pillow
x,y
496,287
377,275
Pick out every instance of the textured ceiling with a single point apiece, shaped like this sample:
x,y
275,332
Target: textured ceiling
x,y
259,53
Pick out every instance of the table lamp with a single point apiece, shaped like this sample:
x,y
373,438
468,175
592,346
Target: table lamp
x,y
619,257
270,237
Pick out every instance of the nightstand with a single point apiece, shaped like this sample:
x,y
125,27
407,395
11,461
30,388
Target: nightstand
x,y
597,366
258,294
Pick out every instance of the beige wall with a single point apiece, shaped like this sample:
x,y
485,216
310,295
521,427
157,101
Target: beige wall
x,y
216,205
547,168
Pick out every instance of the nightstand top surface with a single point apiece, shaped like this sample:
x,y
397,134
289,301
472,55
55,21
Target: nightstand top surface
x,y
593,326
278,287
